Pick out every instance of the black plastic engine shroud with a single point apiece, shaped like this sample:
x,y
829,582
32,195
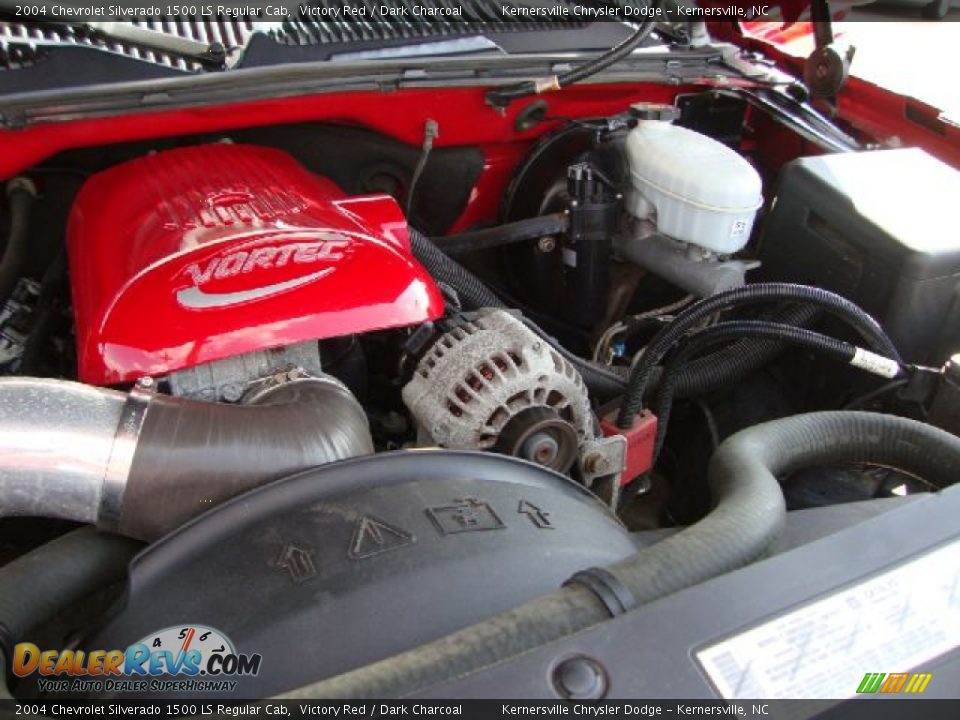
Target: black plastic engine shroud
x,y
355,561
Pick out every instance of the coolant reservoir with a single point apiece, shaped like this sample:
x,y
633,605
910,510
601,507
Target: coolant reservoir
x,y
694,188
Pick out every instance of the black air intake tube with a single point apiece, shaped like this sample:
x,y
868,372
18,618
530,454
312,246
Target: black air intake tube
x,y
746,521
141,464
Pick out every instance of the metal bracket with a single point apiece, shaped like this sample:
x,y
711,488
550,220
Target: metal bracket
x,y
827,68
602,461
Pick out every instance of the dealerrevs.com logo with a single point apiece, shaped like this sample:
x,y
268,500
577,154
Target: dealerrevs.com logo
x,y
188,658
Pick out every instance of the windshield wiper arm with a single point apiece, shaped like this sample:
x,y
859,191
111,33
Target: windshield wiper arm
x,y
213,55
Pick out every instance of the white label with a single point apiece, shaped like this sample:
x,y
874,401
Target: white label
x,y
876,364
569,257
894,622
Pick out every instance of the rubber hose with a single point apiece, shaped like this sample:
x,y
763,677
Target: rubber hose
x,y
474,294
37,586
54,279
618,53
20,196
836,305
734,362
721,333
502,96
707,374
730,364
747,519
234,448
601,381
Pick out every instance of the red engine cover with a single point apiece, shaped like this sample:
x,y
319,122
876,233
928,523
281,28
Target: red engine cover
x,y
200,253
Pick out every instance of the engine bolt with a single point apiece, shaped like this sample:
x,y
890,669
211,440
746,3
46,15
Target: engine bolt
x,y
643,485
541,448
232,392
951,371
580,678
547,244
597,464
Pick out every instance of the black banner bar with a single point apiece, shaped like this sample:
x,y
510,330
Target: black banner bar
x,y
413,11
83,11
873,708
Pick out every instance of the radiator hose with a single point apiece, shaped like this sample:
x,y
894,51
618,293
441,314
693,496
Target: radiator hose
x,y
38,585
746,520
141,464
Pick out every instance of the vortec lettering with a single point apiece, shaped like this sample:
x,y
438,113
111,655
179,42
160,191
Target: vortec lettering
x,y
265,257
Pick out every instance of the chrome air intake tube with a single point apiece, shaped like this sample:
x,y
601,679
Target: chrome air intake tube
x,y
56,439
140,464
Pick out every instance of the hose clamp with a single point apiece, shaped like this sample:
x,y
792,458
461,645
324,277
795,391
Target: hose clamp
x,y
132,415
545,85
605,585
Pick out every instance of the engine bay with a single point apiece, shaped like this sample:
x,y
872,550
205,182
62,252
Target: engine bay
x,y
328,383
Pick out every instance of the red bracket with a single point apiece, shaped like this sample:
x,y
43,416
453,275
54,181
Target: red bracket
x,y
640,440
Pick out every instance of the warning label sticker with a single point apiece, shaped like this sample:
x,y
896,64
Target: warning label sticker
x,y
891,623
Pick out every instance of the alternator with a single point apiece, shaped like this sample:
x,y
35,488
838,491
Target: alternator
x,y
492,384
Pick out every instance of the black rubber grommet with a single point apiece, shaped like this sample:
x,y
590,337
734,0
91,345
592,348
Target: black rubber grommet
x,y
606,586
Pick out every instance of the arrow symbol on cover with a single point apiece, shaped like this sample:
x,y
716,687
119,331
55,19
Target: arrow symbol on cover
x,y
298,561
537,516
372,537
